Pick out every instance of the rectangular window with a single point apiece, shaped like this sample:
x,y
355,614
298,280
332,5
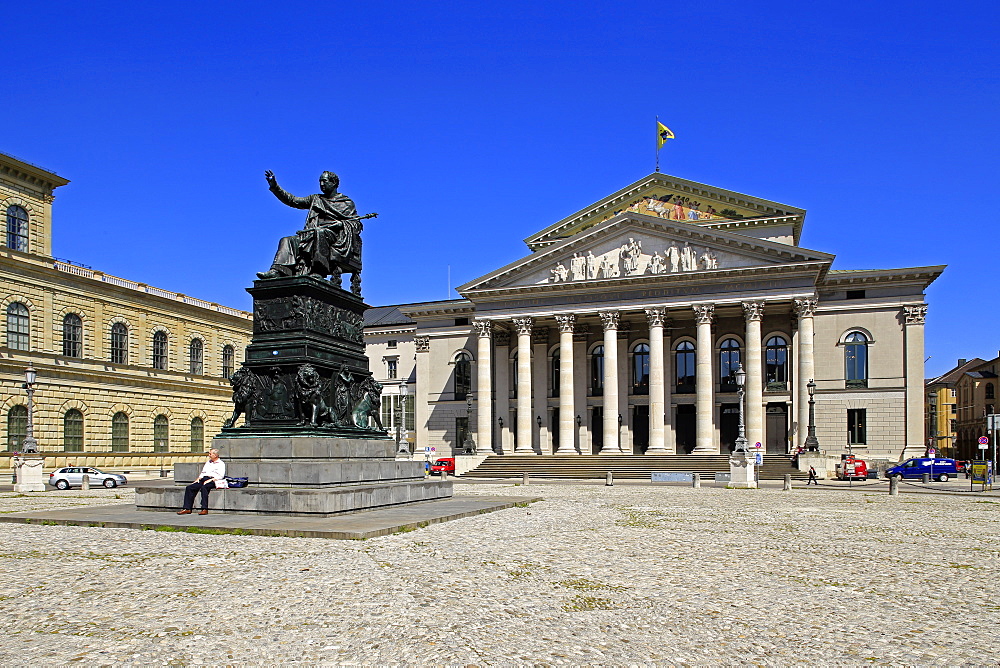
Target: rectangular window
x,y
856,431
17,427
855,294
391,343
461,432
391,368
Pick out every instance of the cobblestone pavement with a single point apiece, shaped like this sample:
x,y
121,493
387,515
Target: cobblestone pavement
x,y
591,575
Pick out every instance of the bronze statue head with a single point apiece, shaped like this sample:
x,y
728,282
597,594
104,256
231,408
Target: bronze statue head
x,y
329,182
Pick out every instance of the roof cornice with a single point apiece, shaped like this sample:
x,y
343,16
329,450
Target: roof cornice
x,y
850,277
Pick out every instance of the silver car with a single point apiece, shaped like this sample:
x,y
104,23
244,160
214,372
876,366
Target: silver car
x,y
72,476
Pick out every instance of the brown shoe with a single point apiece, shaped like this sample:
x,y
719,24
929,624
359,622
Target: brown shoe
x,y
184,512
203,511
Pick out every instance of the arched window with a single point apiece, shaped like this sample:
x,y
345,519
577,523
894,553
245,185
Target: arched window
x,y
160,350
554,373
73,431
597,371
17,427
18,327
640,369
856,359
161,434
197,435
119,343
463,375
729,362
17,228
72,335
228,361
684,364
776,363
989,391
119,432
196,356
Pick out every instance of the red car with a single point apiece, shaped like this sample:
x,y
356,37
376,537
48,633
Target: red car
x,y
443,465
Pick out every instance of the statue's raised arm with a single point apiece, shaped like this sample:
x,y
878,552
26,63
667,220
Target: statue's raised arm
x,y
330,242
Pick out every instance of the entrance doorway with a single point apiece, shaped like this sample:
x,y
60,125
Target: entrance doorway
x,y
684,428
596,430
776,429
729,426
640,429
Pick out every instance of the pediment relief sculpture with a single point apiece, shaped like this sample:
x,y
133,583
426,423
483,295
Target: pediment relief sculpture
x,y
629,259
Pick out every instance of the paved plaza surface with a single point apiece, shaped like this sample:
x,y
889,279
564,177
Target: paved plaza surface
x,y
591,575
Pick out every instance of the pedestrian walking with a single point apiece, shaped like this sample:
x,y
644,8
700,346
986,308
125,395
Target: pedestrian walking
x,y
812,477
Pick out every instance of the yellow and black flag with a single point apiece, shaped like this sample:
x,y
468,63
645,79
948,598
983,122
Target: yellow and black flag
x,y
663,133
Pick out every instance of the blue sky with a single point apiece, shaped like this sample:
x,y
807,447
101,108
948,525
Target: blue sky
x,y
470,125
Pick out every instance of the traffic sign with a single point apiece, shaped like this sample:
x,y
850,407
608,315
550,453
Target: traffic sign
x,y
983,440
983,446
757,445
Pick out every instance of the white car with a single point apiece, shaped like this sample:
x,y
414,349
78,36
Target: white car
x,y
72,476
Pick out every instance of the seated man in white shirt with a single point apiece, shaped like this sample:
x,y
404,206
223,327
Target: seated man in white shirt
x,y
214,470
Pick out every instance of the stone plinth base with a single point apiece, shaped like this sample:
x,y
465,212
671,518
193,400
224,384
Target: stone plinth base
x,y
305,475
741,470
28,469
297,501
824,465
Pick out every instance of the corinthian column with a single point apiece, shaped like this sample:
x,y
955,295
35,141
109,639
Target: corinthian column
x,y
567,425
484,392
655,316
704,385
805,309
523,327
611,444
754,367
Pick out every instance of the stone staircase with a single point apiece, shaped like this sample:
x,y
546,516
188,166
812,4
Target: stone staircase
x,y
625,467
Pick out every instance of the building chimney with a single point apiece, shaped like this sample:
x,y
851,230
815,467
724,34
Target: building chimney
x,y
961,362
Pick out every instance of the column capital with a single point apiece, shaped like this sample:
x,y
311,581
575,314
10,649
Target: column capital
x,y
422,343
704,313
916,314
566,323
805,308
522,325
484,328
609,319
753,310
656,315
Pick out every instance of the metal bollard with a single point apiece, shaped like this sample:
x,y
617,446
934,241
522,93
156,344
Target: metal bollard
x,y
696,480
85,484
926,478
893,486
609,479
788,482
524,479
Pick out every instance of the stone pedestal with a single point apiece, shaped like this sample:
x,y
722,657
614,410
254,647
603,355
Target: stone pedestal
x,y
741,470
305,475
818,460
28,469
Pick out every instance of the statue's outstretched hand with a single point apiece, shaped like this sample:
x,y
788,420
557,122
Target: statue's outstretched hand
x,y
269,175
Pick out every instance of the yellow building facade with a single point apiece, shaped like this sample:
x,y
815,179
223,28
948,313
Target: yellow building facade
x,y
129,375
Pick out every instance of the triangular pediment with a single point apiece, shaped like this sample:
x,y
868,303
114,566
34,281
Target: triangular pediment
x,y
633,246
675,199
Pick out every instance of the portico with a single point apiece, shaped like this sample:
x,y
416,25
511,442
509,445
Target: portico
x,y
621,332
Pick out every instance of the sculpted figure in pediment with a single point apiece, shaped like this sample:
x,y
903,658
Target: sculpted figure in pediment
x,y
630,253
674,256
689,261
592,265
656,263
578,267
559,273
709,260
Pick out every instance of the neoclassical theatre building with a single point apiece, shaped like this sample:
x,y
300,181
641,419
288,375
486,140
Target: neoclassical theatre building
x,y
623,328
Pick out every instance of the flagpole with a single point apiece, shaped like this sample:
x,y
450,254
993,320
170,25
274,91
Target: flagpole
x,y
657,144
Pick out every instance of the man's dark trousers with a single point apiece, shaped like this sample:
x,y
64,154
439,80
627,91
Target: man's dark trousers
x,y
204,485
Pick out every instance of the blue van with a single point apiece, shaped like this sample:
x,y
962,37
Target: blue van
x,y
940,469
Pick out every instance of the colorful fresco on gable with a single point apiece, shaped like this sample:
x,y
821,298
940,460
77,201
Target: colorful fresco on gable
x,y
677,207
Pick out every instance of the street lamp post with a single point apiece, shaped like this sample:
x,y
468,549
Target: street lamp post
x,y
812,445
30,445
741,379
469,445
402,447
